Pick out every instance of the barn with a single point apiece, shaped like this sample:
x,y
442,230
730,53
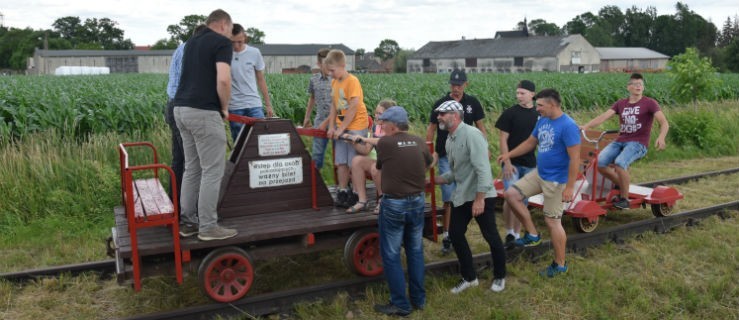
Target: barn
x,y
278,58
508,52
620,59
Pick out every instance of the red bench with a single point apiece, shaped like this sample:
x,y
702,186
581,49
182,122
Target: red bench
x,y
148,205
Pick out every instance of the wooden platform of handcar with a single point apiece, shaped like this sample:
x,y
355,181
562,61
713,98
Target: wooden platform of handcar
x,y
252,228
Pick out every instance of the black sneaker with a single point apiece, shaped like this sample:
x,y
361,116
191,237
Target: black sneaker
x,y
351,199
188,230
446,246
509,239
391,310
622,204
341,198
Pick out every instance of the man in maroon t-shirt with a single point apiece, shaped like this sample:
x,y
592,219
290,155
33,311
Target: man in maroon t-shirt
x,y
636,114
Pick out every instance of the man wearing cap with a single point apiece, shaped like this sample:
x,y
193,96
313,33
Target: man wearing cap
x,y
403,159
473,114
515,125
473,197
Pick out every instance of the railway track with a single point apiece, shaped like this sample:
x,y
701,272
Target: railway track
x,y
284,300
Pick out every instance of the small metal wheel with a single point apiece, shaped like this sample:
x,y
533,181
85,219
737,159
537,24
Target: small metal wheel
x,y
661,209
585,226
362,253
226,274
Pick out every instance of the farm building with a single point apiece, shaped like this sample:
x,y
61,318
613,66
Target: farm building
x,y
119,61
283,57
509,51
631,59
278,58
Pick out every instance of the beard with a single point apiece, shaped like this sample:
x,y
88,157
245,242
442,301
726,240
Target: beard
x,y
443,125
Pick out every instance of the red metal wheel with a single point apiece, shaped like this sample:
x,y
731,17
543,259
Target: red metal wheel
x,y
661,209
584,225
362,253
226,274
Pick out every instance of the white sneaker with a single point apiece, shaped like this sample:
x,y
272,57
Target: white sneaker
x,y
498,285
463,285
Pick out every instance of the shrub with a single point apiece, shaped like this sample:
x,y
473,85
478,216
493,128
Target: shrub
x,y
694,78
699,128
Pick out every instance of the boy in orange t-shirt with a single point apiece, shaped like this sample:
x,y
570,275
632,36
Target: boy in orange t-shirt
x,y
348,115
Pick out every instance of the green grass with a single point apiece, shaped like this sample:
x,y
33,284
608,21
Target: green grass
x,y
58,192
686,274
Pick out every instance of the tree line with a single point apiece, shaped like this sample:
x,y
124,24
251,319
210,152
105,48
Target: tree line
x,y
670,34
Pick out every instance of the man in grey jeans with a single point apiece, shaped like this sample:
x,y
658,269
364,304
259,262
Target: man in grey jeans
x,y
201,106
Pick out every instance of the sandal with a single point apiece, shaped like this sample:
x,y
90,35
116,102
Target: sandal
x,y
377,207
358,207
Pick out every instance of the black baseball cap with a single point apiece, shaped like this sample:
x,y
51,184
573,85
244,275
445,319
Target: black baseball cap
x,y
458,77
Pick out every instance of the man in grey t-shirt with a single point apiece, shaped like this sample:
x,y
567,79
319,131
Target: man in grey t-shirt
x,y
247,74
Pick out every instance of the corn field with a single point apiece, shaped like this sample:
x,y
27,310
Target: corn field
x,y
81,105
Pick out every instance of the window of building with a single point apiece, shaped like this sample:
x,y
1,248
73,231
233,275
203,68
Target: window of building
x,y
470,62
518,62
576,57
426,62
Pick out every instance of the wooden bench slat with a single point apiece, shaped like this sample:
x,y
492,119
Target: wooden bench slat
x,y
151,201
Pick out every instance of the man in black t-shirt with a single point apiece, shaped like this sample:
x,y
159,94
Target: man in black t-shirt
x,y
473,114
201,106
515,125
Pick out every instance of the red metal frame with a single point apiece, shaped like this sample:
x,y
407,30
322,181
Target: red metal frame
x,y
169,219
431,188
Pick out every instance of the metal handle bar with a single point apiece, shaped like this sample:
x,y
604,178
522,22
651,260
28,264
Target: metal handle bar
x,y
602,134
349,138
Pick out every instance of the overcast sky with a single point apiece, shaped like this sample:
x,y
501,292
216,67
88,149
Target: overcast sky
x,y
355,23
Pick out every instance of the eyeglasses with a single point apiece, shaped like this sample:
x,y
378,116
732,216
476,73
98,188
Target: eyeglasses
x,y
237,42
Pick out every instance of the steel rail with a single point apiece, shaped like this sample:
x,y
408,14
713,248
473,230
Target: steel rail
x,y
284,301
107,267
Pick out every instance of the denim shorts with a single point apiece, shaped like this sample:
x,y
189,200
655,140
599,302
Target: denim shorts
x,y
622,154
344,151
446,189
518,174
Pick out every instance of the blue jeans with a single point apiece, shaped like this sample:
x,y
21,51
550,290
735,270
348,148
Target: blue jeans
x,y
621,153
446,189
518,174
319,151
401,224
248,112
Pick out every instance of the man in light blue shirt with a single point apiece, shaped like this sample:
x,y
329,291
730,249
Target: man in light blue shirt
x,y
557,139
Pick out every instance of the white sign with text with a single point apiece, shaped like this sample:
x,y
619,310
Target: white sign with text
x,y
274,144
276,172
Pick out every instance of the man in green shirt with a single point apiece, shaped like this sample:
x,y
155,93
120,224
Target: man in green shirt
x,y
474,196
